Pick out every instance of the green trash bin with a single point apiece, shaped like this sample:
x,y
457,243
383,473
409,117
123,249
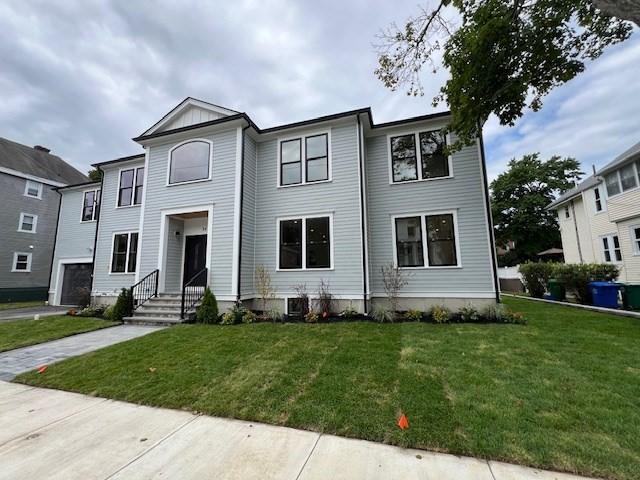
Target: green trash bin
x,y
556,290
630,296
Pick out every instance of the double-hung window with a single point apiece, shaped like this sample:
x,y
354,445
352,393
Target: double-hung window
x,y
419,156
304,243
635,239
125,252
304,160
611,249
623,179
33,189
130,189
21,262
426,240
28,223
598,199
628,178
90,205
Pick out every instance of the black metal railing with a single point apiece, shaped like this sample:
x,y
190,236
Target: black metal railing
x,y
193,291
145,289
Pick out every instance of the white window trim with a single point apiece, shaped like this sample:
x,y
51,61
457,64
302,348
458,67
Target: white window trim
x,y
612,249
177,145
635,241
304,219
126,264
416,134
35,222
96,205
26,189
133,193
15,261
303,162
619,177
423,228
603,201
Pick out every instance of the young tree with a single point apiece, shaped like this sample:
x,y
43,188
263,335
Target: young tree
x,y
519,198
503,55
394,281
263,284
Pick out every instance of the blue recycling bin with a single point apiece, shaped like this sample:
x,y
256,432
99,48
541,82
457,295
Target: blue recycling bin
x,y
604,294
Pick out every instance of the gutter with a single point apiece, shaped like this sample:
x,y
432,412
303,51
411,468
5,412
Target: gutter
x,y
362,218
55,241
575,226
238,294
485,184
95,239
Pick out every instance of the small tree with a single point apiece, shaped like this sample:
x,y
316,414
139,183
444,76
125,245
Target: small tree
x,y
265,289
207,311
123,306
325,299
394,281
302,299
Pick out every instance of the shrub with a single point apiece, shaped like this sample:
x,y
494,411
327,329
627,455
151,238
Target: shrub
x,y
495,313
84,297
394,281
238,311
383,314
514,317
576,277
123,306
325,299
207,311
228,318
249,317
311,317
535,277
469,313
440,314
274,315
92,311
349,313
108,312
302,300
413,315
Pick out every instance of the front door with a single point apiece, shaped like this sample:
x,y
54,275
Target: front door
x,y
195,256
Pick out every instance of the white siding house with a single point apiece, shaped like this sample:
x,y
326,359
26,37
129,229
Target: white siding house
x,y
600,218
330,199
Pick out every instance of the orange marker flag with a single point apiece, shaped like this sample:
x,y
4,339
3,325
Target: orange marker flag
x,y
403,422
42,369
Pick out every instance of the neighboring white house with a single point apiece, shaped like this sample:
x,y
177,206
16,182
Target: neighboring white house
x,y
328,199
600,218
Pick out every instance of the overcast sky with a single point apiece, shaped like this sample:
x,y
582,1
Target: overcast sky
x,y
84,77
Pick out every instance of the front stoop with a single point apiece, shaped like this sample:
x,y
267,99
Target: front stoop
x,y
163,310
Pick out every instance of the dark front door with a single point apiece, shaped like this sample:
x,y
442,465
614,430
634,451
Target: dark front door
x,y
75,283
195,256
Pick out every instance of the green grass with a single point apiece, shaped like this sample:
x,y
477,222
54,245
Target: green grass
x,y
12,305
561,393
22,333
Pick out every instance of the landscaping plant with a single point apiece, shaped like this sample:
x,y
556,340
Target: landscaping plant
x,y
394,281
228,318
349,313
576,277
325,299
535,277
312,317
301,300
440,314
265,289
413,315
207,311
249,317
469,313
383,314
123,306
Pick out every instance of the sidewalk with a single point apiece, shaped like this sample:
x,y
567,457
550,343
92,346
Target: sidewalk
x,y
13,362
61,435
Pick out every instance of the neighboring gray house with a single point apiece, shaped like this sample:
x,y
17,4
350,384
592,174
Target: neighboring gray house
x,y
28,178
333,198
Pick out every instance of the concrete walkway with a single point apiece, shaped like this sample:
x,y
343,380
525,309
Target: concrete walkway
x,y
21,360
27,313
60,435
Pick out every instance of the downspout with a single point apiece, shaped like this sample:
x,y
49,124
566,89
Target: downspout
x,y
485,183
238,295
55,241
95,239
362,218
575,226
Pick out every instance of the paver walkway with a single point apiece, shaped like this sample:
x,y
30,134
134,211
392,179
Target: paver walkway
x,y
61,435
29,312
13,362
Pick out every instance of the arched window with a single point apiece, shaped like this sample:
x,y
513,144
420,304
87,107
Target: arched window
x,y
190,161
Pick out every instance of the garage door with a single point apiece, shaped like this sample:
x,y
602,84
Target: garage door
x,y
77,278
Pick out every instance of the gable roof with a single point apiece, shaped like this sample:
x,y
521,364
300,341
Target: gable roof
x,y
32,162
620,159
587,183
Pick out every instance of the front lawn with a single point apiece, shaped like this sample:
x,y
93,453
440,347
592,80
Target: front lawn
x,y
22,333
13,305
561,393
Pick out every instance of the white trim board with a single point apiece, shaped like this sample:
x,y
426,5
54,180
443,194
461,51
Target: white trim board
x,y
16,173
60,272
235,253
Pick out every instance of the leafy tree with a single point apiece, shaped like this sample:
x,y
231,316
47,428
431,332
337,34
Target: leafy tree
x,y
503,55
95,175
519,198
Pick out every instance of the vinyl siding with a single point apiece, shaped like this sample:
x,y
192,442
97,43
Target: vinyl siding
x,y
464,193
248,217
339,197
175,245
113,220
75,239
13,203
218,191
630,258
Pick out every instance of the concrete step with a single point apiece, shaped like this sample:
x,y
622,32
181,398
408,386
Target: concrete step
x,y
156,313
160,305
152,321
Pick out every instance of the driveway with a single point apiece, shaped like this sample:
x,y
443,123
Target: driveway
x,y
60,435
13,362
28,312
